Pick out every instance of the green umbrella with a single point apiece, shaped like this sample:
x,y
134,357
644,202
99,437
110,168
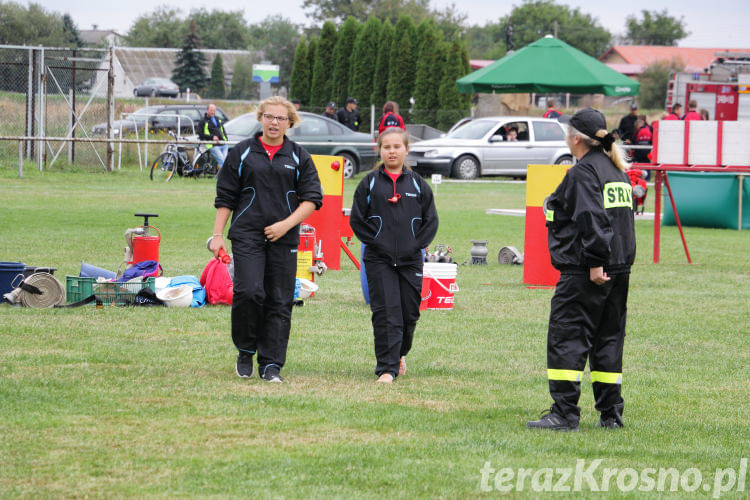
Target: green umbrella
x,y
546,66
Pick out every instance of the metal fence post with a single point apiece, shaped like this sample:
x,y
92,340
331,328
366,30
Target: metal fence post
x,y
110,109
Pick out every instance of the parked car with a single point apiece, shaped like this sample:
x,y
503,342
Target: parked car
x,y
330,134
483,147
160,118
157,87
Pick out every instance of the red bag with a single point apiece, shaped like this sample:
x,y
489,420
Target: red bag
x,y
218,284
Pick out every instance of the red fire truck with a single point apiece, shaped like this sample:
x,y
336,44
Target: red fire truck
x,y
723,88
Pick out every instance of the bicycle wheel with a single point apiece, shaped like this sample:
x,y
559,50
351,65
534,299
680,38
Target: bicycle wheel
x,y
206,165
164,167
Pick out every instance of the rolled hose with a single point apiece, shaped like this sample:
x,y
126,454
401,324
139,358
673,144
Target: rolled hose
x,y
52,291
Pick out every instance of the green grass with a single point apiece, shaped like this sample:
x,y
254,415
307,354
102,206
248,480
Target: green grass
x,y
125,402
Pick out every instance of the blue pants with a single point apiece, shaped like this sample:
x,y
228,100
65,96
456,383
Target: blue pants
x,y
220,153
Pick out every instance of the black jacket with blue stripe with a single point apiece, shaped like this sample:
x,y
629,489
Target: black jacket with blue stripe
x,y
590,218
394,232
261,192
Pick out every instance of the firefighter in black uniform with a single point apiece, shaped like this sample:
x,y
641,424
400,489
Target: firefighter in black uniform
x,y
393,214
592,244
269,185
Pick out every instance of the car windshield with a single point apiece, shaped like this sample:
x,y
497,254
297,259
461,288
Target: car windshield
x,y
140,115
473,130
242,125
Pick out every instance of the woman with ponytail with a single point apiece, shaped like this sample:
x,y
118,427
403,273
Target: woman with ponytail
x,y
592,244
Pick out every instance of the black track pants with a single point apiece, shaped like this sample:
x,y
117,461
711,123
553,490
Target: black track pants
x,y
264,277
395,295
587,321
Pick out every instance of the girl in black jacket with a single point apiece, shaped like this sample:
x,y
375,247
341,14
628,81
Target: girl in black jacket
x,y
268,185
394,215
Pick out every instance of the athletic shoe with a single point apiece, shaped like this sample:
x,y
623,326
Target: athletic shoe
x,y
552,421
386,378
609,423
402,366
271,374
244,366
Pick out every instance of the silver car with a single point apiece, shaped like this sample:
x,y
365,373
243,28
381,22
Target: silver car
x,y
500,145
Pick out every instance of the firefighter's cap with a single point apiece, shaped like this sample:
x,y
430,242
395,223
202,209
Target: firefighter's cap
x,y
590,122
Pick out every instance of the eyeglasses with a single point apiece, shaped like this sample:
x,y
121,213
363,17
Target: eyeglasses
x,y
270,118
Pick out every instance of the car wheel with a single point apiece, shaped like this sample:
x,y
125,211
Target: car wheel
x,y
350,165
564,160
465,167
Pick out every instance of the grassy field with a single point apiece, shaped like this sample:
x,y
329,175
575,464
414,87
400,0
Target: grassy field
x,y
126,402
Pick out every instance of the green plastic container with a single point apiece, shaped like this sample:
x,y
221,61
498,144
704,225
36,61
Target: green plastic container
x,y
112,292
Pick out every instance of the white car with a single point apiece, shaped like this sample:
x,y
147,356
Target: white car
x,y
487,146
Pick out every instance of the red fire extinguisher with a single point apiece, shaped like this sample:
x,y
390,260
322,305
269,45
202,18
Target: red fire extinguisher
x,y
144,244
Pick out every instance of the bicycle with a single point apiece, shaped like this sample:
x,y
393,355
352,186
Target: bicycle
x,y
174,159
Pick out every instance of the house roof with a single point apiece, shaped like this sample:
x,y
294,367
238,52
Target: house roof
x,y
140,64
93,37
694,59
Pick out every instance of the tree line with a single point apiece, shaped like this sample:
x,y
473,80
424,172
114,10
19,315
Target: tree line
x,y
376,62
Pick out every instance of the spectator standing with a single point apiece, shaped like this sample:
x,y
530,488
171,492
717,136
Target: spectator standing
x,y
330,111
297,103
626,128
551,111
675,114
692,113
390,117
268,186
704,114
643,137
349,115
211,128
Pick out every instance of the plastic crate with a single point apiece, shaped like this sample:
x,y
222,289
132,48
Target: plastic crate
x,y
109,292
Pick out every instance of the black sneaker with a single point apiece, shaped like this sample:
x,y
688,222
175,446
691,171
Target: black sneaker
x,y
552,421
270,373
609,423
244,366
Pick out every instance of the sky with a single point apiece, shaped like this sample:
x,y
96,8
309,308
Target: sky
x,y
724,24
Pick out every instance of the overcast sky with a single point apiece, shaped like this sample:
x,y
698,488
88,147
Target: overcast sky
x,y
723,24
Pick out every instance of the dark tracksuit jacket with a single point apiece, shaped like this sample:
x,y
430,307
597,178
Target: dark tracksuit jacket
x,y
394,235
260,192
590,224
349,118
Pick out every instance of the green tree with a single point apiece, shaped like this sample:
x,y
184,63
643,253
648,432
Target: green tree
x,y
276,37
163,27
216,88
71,33
429,70
382,66
299,84
485,42
453,105
536,18
402,64
345,38
222,29
322,86
243,86
189,71
654,79
364,61
32,25
311,51
655,28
